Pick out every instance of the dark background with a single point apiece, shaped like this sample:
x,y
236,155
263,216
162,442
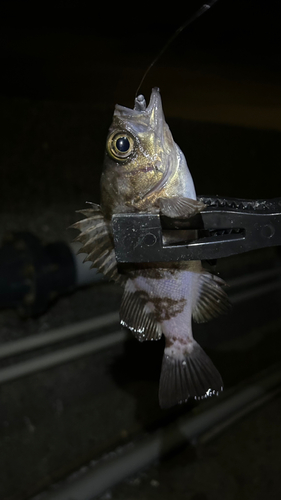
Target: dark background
x,y
64,66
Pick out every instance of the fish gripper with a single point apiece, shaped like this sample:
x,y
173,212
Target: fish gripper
x,y
227,226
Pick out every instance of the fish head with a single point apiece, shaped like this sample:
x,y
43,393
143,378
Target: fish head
x,y
142,161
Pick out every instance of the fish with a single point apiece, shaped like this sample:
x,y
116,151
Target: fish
x,y
145,171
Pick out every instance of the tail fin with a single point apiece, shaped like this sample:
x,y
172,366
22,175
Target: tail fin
x,y
192,375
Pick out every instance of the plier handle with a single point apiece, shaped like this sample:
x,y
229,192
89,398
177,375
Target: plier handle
x,y
227,226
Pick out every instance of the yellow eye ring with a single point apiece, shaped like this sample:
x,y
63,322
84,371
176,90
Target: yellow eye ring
x,y
120,145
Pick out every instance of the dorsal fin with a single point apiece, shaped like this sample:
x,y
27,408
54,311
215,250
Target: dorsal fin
x,y
97,242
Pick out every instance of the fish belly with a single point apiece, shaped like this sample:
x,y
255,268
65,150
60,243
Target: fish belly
x,y
160,301
186,371
169,297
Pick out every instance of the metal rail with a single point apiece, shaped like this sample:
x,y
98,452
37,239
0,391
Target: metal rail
x,y
57,335
67,332
66,354
188,429
55,358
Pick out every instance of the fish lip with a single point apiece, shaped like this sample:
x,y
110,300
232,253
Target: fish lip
x,y
123,111
152,116
152,120
154,103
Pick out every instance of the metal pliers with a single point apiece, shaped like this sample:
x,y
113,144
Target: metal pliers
x,y
227,226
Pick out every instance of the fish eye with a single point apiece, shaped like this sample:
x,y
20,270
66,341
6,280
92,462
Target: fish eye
x,y
123,144
120,145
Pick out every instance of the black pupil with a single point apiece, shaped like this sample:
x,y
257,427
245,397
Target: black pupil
x,y
122,144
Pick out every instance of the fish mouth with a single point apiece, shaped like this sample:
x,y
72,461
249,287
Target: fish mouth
x,y
150,119
140,104
147,119
151,115
154,102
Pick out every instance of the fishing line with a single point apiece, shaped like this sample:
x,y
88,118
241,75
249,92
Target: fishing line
x,y
204,8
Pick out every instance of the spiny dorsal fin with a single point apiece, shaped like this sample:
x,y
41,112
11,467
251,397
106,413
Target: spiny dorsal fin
x,y
136,315
178,206
211,299
97,242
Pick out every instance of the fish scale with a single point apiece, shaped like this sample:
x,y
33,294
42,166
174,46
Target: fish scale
x,y
146,172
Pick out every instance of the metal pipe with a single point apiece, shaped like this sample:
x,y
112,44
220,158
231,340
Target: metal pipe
x,y
76,329
252,278
108,473
66,354
255,292
57,335
45,361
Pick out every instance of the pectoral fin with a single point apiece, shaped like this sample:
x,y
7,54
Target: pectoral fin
x,y
97,242
179,207
211,300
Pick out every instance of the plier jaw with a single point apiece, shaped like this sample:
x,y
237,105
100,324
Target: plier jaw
x,y
227,226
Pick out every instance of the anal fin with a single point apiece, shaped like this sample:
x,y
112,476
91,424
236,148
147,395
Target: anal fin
x,y
136,316
192,375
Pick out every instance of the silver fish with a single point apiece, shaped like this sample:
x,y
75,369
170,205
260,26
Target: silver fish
x,y
145,171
